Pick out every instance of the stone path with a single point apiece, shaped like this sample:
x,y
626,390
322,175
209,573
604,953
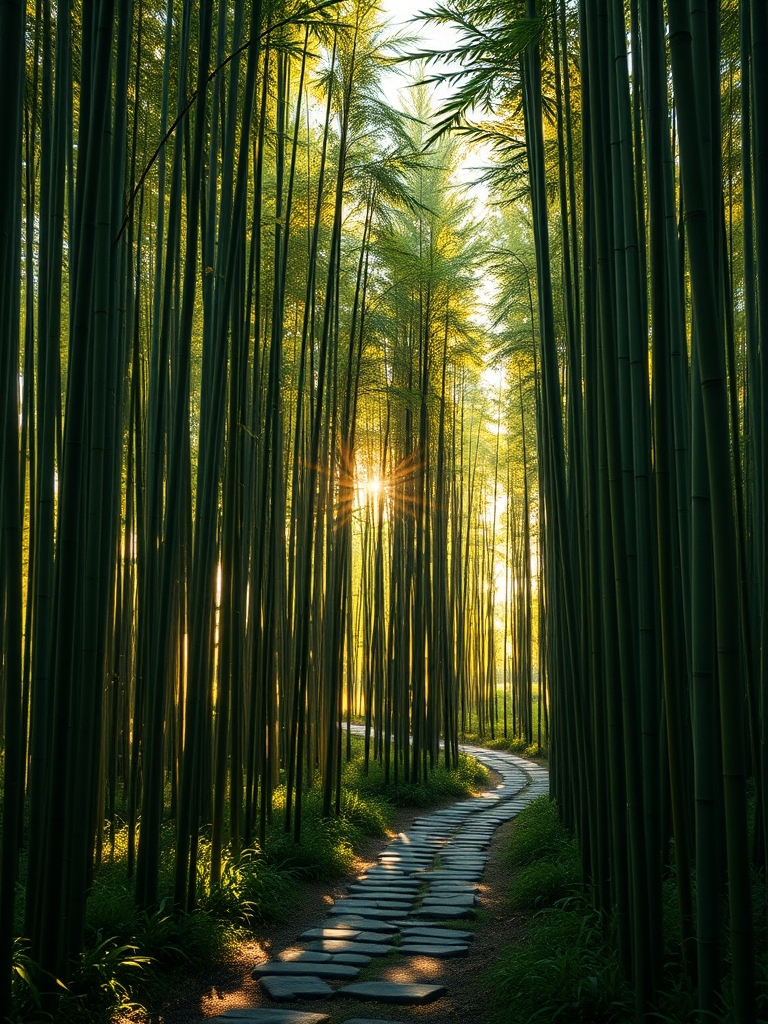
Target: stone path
x,y
425,877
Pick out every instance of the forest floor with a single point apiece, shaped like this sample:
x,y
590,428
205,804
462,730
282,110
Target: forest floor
x,y
193,999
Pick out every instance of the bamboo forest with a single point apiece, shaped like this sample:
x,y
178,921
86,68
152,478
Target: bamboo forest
x,y
377,379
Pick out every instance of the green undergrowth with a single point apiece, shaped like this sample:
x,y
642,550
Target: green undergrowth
x,y
532,751
564,967
132,957
439,785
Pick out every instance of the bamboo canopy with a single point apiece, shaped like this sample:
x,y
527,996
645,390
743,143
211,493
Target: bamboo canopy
x,y
294,432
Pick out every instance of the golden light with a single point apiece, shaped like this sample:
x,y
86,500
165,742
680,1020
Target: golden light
x,y
368,488
373,487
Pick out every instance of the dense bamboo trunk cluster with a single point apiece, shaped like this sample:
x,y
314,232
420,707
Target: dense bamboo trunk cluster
x,y
248,487
643,133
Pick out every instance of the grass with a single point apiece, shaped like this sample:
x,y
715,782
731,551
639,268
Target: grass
x,y
517,745
132,957
564,967
439,786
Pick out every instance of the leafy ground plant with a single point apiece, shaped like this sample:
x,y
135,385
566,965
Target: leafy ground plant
x,y
539,835
564,967
146,950
440,785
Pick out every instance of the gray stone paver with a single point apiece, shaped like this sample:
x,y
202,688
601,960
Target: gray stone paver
x,y
347,946
339,972
444,913
290,989
437,934
369,910
360,923
450,899
427,874
399,993
268,1015
432,949
304,956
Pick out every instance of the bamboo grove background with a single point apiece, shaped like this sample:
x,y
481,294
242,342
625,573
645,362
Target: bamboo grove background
x,y
637,133
254,480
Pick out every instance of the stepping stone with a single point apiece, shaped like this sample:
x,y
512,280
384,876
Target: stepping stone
x,y
336,971
439,935
369,893
383,938
430,949
393,992
269,1016
452,876
388,871
417,850
358,923
335,946
370,888
366,911
329,933
303,956
371,902
353,959
285,990
399,883
444,913
459,860
454,887
459,899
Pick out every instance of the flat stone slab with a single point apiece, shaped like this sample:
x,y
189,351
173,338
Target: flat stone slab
x,y
453,887
330,933
372,895
377,900
336,971
369,911
377,890
261,1015
303,956
439,935
444,913
459,876
468,863
405,854
458,899
398,993
353,959
386,870
358,923
337,946
287,989
451,949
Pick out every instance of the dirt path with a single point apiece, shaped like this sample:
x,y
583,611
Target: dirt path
x,y
193,999
233,987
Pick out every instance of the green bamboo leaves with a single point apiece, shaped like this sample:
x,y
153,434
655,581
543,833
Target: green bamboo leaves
x,y
650,428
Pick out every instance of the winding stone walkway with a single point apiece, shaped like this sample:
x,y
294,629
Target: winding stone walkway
x,y
425,876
